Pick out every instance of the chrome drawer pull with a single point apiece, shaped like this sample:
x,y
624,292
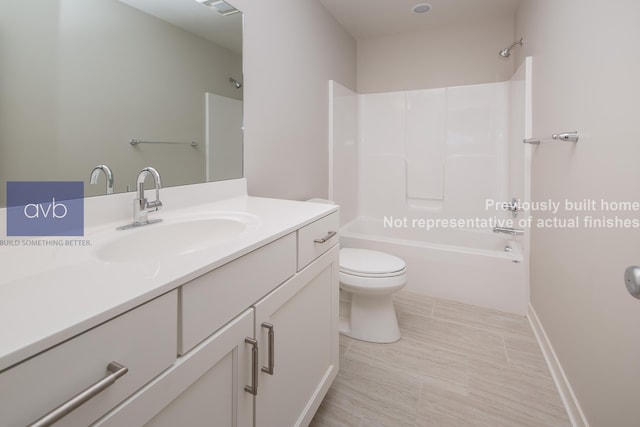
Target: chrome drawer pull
x,y
253,388
269,369
116,371
326,238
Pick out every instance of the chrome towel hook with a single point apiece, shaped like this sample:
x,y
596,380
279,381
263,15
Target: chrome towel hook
x,y
566,136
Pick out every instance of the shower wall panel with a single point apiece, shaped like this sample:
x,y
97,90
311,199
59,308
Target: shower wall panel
x,y
343,150
434,153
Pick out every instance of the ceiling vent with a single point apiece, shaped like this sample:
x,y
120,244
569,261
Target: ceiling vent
x,y
220,6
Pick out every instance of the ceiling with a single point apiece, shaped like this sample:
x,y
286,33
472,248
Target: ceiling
x,y
371,18
196,18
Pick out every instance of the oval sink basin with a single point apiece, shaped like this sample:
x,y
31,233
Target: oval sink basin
x,y
170,239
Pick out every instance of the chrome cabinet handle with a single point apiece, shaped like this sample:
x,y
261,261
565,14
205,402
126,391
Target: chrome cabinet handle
x,y
253,388
329,235
116,371
269,369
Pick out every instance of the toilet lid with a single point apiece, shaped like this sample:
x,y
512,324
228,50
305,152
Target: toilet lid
x,y
367,262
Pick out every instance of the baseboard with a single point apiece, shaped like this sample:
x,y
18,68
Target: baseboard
x,y
571,404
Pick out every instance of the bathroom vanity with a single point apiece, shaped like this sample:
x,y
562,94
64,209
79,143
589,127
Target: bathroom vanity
x,y
240,332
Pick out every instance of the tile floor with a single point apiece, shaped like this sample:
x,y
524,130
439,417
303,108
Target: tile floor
x,y
456,365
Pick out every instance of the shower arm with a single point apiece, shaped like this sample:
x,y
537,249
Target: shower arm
x,y
514,43
506,52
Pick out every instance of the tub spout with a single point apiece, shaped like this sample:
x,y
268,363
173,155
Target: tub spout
x,y
508,230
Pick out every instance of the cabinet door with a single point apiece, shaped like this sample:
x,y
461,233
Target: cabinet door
x,y
205,387
303,313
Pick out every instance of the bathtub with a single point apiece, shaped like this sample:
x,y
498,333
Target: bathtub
x,y
468,266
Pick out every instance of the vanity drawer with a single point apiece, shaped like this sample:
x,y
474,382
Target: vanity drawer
x,y
211,300
317,238
142,340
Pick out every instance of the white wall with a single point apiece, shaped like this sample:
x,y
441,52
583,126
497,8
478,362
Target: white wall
x,y
443,56
587,78
292,48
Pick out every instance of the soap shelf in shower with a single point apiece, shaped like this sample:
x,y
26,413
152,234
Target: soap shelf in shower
x,y
565,136
137,141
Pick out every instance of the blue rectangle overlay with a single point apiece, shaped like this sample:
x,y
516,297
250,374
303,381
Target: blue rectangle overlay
x,y
45,208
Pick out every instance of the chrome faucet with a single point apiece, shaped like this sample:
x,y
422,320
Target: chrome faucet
x,y
95,172
141,206
508,230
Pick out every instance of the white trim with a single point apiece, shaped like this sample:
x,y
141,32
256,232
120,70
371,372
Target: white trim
x,y
567,395
331,142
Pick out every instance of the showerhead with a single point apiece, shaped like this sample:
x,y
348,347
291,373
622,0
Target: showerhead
x,y
506,52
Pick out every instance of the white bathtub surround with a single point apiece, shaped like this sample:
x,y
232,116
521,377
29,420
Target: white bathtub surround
x,y
432,165
425,143
343,150
223,123
442,151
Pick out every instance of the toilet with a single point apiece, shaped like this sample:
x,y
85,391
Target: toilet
x,y
368,280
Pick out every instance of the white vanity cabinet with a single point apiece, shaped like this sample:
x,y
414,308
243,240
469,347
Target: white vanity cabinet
x,y
218,396
265,323
211,300
213,380
206,387
142,340
250,343
297,333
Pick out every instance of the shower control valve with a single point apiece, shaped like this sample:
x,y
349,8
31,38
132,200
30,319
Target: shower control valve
x,y
514,207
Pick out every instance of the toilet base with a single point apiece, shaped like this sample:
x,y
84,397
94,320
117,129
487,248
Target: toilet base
x,y
372,318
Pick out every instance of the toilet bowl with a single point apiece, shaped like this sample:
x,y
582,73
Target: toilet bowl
x,y
367,281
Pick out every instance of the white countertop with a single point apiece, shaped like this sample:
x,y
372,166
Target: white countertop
x,y
49,294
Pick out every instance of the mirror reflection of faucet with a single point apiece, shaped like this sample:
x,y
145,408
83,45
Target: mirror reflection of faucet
x,y
141,206
95,172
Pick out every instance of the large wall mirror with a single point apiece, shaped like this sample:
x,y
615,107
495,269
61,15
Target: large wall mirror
x,y
80,79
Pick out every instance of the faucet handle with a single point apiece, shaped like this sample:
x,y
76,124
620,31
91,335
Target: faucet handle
x,y
514,205
155,205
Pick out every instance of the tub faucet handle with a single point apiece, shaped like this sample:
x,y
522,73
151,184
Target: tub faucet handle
x,y
514,207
